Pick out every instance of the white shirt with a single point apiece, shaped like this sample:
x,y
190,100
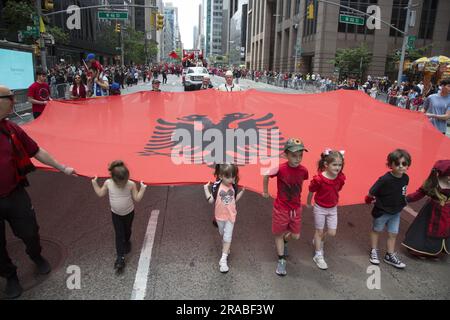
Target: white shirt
x,y
227,88
120,199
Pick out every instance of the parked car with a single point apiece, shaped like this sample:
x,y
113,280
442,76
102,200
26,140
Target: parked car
x,y
193,78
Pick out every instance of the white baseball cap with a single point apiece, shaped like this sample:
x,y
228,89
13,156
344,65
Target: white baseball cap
x,y
229,73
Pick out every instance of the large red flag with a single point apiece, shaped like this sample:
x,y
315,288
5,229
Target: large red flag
x,y
173,55
153,132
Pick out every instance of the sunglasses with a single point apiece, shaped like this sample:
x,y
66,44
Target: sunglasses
x,y
403,163
10,97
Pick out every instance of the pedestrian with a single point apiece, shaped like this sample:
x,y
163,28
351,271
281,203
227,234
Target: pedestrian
x,y
16,149
437,107
287,209
389,195
164,76
206,82
114,90
429,234
122,192
78,89
39,93
98,85
155,85
224,194
325,187
229,86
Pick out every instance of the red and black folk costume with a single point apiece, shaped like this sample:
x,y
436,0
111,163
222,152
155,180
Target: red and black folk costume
x,y
429,234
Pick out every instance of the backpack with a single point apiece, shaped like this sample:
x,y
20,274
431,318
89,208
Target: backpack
x,y
216,186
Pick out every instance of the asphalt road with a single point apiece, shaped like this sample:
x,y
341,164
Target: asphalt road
x,y
182,250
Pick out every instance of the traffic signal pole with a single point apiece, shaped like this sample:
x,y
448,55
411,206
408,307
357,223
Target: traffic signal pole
x,y
41,38
405,41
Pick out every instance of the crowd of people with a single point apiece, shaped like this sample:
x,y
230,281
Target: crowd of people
x,y
388,194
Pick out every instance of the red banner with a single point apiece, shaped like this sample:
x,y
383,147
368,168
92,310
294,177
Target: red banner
x,y
159,134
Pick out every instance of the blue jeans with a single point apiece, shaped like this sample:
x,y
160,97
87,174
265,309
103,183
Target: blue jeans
x,y
392,221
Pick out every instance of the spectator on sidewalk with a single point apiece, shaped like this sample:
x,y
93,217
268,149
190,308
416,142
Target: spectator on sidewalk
x,y
437,107
39,93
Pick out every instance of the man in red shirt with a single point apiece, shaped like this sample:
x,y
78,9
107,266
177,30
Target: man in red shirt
x,y
39,93
16,149
287,208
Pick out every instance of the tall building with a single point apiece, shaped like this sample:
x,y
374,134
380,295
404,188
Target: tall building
x,y
172,38
216,28
279,31
201,29
238,32
195,37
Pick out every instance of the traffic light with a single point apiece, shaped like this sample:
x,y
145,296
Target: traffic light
x,y
48,5
118,28
159,22
310,13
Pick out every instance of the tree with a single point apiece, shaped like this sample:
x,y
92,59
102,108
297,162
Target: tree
x,y
134,46
60,36
353,61
17,15
411,55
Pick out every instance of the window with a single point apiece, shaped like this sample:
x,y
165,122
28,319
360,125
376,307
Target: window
x,y
428,19
280,11
360,5
398,18
297,7
288,9
448,33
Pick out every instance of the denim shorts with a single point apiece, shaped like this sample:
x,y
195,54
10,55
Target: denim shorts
x,y
392,221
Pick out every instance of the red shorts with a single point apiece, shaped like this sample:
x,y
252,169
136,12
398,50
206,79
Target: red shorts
x,y
286,221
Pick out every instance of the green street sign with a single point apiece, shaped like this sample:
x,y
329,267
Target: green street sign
x,y
112,15
411,41
343,18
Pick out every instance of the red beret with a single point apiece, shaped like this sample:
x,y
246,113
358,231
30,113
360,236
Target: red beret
x,y
443,167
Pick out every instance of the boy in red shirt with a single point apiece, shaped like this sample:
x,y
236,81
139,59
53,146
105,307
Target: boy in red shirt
x,y
39,93
287,209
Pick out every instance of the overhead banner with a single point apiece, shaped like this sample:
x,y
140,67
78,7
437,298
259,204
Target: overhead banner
x,y
175,138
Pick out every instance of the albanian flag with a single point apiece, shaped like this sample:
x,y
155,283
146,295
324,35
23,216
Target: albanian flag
x,y
173,55
171,138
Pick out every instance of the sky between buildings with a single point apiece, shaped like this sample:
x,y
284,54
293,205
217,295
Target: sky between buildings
x,y
188,18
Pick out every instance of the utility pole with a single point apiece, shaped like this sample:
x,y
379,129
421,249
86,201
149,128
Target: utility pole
x,y
405,41
122,58
41,38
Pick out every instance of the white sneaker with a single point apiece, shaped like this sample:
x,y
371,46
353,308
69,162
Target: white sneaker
x,y
320,261
223,266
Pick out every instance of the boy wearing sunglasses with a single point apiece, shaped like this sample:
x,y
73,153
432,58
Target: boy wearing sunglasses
x,y
389,196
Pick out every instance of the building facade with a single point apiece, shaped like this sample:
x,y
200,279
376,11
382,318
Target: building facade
x,y
281,34
238,32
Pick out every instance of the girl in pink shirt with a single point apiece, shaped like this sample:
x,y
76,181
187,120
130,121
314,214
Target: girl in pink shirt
x,y
326,186
225,195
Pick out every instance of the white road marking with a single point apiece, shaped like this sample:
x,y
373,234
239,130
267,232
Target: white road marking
x,y
140,282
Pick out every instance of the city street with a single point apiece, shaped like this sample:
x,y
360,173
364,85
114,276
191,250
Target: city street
x,y
176,249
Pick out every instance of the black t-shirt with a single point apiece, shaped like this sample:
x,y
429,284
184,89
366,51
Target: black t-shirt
x,y
390,193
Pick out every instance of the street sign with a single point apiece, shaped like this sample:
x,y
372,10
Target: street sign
x,y
113,15
343,18
411,41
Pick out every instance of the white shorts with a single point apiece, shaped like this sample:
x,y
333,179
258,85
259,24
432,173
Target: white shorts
x,y
325,214
226,230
